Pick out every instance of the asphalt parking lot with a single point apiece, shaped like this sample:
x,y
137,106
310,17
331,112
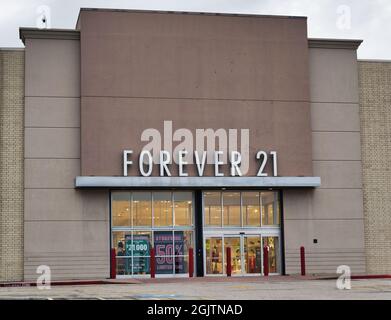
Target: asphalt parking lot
x,y
183,289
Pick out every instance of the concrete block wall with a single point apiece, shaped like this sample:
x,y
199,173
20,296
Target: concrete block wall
x,y
11,163
375,116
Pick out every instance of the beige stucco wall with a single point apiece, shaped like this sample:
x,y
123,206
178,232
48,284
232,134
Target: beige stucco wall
x,y
11,164
64,228
333,213
375,114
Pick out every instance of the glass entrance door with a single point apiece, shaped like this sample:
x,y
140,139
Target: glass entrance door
x,y
252,254
235,243
273,244
246,254
214,255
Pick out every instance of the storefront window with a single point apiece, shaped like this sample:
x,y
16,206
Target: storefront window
x,y
212,208
277,210
142,208
183,240
162,209
241,209
250,209
139,247
124,262
231,209
183,207
121,209
270,214
164,250
119,242
133,242
270,208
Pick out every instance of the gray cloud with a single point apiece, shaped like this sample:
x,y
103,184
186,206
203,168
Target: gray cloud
x,y
370,19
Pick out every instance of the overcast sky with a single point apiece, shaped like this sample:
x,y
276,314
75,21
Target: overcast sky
x,y
369,20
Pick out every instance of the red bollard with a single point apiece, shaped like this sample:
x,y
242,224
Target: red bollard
x,y
302,260
265,261
191,262
152,263
113,264
229,266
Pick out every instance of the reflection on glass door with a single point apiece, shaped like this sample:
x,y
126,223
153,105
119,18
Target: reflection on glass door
x,y
214,255
236,254
272,243
253,254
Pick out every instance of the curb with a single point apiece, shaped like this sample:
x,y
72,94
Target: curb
x,y
173,280
66,283
360,277
372,276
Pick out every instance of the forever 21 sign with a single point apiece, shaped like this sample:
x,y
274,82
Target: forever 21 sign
x,y
190,150
146,162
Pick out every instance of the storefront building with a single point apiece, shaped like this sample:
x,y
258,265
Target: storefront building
x,y
171,131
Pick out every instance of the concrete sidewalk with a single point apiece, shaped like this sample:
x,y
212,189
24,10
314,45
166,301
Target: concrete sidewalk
x,y
148,280
252,288
167,280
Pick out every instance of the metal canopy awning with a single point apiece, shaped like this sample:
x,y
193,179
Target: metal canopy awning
x,y
196,182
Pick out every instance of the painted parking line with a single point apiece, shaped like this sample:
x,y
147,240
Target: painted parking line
x,y
151,296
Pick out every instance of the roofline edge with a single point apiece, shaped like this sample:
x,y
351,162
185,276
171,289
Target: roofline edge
x,y
34,33
193,13
325,43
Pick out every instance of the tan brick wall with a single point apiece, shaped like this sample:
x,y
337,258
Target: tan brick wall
x,y
375,114
11,164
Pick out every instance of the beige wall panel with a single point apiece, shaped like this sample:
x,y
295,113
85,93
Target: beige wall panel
x,y
333,213
338,174
201,71
333,75
52,68
133,54
337,204
331,234
326,261
66,204
78,272
336,146
42,237
335,117
51,173
52,143
111,125
84,265
323,204
52,112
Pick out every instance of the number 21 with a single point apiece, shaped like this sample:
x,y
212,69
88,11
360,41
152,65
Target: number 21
x,y
263,157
